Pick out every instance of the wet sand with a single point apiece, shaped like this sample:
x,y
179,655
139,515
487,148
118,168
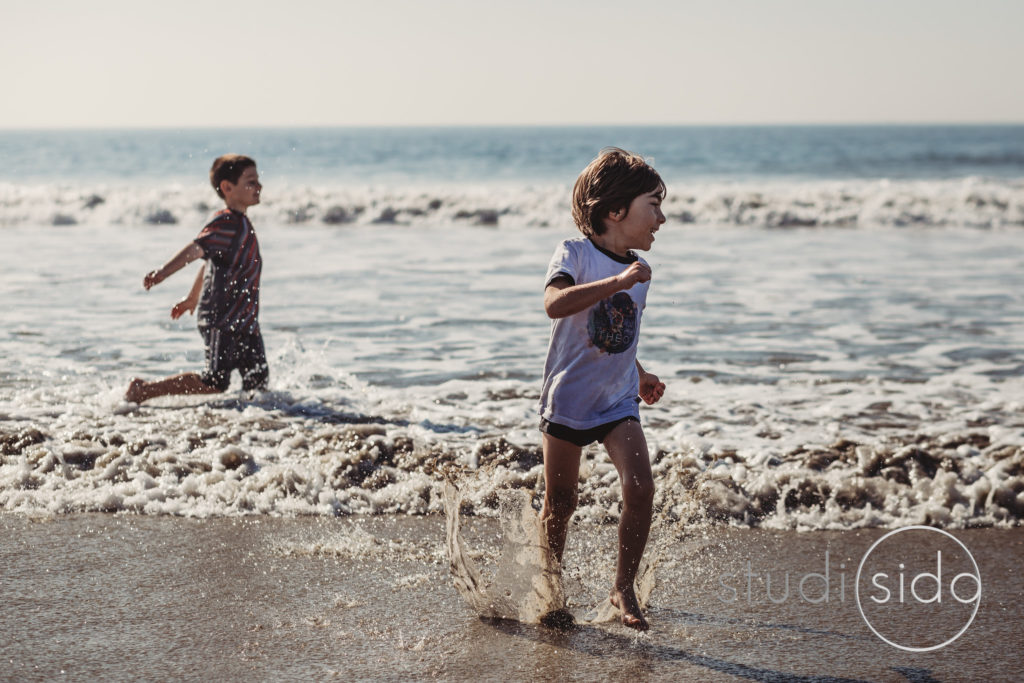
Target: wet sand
x,y
359,598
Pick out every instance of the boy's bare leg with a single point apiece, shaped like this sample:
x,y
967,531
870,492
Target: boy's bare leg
x,y
627,448
561,477
185,383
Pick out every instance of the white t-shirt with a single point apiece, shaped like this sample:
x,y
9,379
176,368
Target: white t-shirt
x,y
590,375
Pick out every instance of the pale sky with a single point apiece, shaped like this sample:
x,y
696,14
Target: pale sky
x,y
113,63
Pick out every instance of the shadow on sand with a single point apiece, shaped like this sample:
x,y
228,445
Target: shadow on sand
x,y
602,643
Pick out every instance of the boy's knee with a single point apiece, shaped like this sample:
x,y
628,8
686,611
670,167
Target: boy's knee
x,y
218,381
255,379
638,490
561,503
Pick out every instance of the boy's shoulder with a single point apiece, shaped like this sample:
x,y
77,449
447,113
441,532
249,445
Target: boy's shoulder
x,y
225,216
221,230
573,244
225,219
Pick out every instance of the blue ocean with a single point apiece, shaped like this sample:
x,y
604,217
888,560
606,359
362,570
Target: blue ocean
x,y
526,154
761,176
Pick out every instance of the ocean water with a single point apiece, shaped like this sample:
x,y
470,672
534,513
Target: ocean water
x,y
836,311
751,176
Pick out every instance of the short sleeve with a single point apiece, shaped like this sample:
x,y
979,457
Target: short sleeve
x,y
564,263
216,238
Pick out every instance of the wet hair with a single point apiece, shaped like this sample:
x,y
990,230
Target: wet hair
x,y
610,183
229,167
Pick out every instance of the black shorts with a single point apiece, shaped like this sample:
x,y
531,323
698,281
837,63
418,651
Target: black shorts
x,y
582,437
227,351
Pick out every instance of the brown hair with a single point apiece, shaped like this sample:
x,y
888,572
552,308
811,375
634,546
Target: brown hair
x,y
609,183
228,167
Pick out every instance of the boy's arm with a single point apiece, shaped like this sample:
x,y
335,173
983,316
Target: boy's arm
x,y
188,304
651,388
562,299
184,257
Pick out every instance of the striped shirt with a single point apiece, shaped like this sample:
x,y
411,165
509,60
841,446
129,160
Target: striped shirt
x,y
231,287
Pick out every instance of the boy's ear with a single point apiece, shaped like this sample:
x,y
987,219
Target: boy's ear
x,y
224,185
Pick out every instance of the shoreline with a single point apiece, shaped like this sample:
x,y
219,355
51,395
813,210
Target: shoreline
x,y
133,596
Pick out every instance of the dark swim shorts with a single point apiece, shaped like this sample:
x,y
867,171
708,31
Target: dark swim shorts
x,y
227,351
582,437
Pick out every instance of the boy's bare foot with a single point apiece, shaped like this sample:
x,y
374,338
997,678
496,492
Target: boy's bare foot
x,y
632,616
134,393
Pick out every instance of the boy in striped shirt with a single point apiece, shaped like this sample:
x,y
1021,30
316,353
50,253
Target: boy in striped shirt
x,y
226,291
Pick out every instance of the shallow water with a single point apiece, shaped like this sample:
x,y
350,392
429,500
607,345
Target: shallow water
x,y
358,598
816,379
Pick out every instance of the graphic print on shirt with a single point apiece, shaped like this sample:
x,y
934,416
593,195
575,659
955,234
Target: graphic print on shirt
x,y
612,324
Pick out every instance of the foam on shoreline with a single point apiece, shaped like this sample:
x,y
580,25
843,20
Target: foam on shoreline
x,y
264,459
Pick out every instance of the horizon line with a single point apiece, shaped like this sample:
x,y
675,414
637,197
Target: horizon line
x,y
412,126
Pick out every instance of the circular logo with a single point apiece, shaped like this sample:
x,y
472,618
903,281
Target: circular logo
x,y
921,584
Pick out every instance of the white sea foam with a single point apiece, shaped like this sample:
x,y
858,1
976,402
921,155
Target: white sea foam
x,y
974,202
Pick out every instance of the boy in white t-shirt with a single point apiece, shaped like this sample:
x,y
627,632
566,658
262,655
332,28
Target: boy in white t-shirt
x,y
595,292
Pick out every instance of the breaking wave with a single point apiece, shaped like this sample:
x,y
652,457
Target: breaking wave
x,y
971,202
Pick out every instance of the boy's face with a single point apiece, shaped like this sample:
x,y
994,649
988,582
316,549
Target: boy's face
x,y
638,225
244,193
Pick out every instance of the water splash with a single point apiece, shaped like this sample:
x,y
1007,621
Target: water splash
x,y
526,584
